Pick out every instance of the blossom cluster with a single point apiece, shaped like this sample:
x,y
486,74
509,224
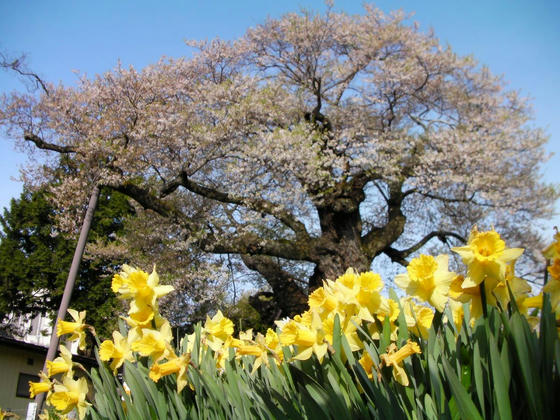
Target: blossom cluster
x,y
354,300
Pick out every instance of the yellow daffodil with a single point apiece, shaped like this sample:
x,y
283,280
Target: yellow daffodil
x,y
45,385
553,250
76,328
177,365
217,329
395,358
428,279
132,283
356,294
248,349
4,414
259,347
418,318
458,313
189,346
119,350
554,269
70,395
497,292
308,339
486,256
469,295
272,342
323,301
244,338
348,328
388,308
221,351
154,343
552,287
532,302
140,315
367,363
519,287
62,364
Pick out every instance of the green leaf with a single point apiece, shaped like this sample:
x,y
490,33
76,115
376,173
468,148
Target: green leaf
x,y
466,406
478,372
525,358
500,388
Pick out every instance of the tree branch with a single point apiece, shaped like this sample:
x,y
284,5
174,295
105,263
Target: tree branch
x,y
18,65
379,238
41,144
395,256
253,244
148,200
257,205
219,242
400,256
446,199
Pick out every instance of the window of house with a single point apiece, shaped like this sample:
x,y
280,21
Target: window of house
x,y
23,384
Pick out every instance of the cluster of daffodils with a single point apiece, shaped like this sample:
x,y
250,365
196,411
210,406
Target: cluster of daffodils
x,y
65,393
354,299
490,278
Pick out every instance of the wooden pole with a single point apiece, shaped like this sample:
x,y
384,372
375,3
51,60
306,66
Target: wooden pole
x,y
66,296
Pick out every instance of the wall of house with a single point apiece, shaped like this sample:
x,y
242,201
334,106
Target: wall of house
x,y
13,362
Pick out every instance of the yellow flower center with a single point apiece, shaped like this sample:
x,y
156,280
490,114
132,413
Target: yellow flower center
x,y
488,244
305,338
54,368
163,369
38,387
65,327
348,279
250,350
65,401
422,269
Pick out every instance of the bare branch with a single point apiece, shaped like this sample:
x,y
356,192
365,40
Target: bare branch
x,y
395,256
399,256
18,65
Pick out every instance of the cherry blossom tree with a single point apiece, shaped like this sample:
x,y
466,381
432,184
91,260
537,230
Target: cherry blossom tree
x,y
311,144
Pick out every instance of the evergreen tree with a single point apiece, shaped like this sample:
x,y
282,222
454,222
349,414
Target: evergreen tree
x,y
35,259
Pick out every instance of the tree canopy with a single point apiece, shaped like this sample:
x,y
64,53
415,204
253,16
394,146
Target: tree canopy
x,y
311,144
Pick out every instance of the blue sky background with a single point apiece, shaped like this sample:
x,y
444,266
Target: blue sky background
x,y
519,39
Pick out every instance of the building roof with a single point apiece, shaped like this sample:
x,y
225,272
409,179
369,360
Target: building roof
x,y
88,362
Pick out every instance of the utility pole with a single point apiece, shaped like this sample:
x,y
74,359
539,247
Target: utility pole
x,y
66,296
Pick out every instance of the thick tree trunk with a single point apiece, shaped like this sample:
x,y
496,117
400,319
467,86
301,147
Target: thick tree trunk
x,y
338,248
287,298
340,245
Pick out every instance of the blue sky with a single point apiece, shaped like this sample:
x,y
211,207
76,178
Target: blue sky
x,y
516,38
